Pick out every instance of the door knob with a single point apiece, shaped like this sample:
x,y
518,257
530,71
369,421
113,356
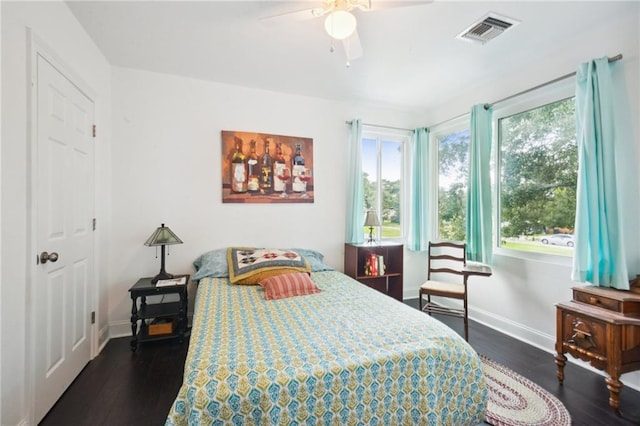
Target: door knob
x,y
44,257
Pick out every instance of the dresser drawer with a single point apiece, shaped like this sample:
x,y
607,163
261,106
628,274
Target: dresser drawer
x,y
583,336
597,301
621,301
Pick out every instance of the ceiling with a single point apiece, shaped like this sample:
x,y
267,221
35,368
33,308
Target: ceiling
x,y
412,59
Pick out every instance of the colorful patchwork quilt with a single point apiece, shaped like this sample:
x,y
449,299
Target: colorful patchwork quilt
x,y
348,355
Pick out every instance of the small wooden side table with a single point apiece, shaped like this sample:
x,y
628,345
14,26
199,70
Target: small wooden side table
x,y
602,327
390,281
144,312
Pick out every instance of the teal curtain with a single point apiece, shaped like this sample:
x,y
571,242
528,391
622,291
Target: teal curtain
x,y
599,255
355,186
478,220
420,220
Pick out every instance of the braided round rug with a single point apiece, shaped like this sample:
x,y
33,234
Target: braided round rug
x,y
515,400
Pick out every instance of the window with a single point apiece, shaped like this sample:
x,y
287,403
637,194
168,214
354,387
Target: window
x,y
537,169
453,166
383,159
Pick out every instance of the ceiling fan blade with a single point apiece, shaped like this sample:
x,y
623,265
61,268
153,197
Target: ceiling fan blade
x,y
352,46
295,16
360,4
389,4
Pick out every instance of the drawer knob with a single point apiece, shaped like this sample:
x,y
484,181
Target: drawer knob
x,y
594,300
580,334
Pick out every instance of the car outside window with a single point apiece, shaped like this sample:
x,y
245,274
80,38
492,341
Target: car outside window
x,y
558,240
537,178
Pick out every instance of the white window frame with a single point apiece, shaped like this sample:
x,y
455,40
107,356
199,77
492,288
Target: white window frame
x,y
551,93
455,125
403,137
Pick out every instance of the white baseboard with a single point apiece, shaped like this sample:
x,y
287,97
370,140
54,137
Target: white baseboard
x,y
119,329
103,337
513,329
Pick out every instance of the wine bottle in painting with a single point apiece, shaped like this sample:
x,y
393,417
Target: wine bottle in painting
x,y
253,180
238,168
305,178
279,183
266,170
298,167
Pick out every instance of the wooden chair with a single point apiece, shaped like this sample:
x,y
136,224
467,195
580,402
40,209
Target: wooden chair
x,y
447,258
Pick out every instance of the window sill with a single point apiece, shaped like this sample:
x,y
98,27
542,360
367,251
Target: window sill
x,y
554,259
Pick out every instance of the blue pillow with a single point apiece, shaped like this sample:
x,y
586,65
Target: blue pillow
x,y
211,264
315,259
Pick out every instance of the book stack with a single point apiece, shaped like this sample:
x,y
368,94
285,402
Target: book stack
x,y
374,265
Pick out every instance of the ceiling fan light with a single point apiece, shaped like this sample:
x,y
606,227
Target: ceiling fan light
x,y
340,24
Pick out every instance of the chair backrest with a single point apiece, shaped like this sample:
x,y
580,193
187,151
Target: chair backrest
x,y
446,257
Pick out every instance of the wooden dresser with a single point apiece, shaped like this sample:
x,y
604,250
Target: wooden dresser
x,y
601,326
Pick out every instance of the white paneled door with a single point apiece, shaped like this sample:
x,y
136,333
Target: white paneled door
x,y
64,227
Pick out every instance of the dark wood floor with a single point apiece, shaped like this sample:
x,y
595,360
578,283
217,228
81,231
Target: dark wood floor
x,y
120,388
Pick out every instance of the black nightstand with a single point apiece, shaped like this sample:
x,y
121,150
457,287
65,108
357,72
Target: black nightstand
x,y
158,311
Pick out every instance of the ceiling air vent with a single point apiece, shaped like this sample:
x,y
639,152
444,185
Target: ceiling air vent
x,y
487,28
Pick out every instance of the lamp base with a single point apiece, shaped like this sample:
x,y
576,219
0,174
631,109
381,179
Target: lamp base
x,y
161,276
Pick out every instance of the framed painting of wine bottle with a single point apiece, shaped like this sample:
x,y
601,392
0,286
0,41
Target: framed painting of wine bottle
x,y
265,168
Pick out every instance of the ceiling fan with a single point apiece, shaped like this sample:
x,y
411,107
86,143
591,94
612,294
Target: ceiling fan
x,y
340,23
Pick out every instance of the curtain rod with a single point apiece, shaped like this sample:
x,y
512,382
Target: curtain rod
x,y
555,80
489,105
349,122
448,119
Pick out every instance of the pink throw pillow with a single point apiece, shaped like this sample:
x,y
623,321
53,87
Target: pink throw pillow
x,y
288,285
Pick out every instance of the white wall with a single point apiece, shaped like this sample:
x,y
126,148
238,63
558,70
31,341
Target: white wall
x,y
53,23
167,159
520,297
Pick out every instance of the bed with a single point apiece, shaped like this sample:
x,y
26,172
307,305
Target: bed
x,y
345,355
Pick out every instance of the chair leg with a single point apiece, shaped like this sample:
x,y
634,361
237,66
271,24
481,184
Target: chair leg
x,y
466,321
466,329
428,303
420,301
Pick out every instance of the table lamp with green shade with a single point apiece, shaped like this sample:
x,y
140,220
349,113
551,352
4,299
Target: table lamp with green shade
x,y
162,236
